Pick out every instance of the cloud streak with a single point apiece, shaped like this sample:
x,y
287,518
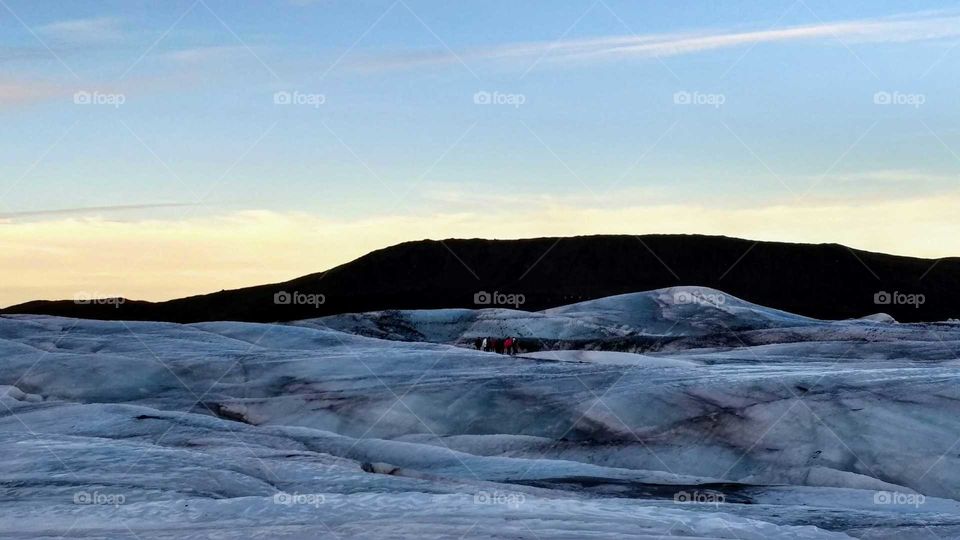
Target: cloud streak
x,y
923,26
214,53
13,93
87,210
91,30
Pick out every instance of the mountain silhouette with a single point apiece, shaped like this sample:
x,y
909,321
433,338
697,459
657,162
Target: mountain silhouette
x,y
827,281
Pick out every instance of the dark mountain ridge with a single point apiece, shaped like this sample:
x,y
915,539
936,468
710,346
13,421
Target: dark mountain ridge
x,y
827,281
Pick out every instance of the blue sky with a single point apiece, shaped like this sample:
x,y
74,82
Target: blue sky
x,y
705,108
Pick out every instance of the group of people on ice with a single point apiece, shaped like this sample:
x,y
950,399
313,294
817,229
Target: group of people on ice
x,y
510,345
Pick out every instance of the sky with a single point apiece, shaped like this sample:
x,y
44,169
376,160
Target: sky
x,y
153,150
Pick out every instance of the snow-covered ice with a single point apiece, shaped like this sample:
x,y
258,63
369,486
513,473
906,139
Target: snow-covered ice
x,y
680,412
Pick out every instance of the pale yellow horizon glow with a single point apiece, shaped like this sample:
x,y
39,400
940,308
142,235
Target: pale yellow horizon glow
x,y
160,260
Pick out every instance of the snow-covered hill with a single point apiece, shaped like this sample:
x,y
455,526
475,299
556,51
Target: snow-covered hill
x,y
672,318
803,429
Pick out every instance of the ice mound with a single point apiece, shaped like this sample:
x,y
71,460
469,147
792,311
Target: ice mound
x,y
879,317
626,321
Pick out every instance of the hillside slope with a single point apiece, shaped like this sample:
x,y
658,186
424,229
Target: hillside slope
x,y
826,281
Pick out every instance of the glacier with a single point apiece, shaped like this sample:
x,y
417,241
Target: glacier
x,y
681,412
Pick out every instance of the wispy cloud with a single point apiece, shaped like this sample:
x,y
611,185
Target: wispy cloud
x,y
27,92
15,93
908,176
190,68
213,53
92,30
12,54
86,210
921,26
